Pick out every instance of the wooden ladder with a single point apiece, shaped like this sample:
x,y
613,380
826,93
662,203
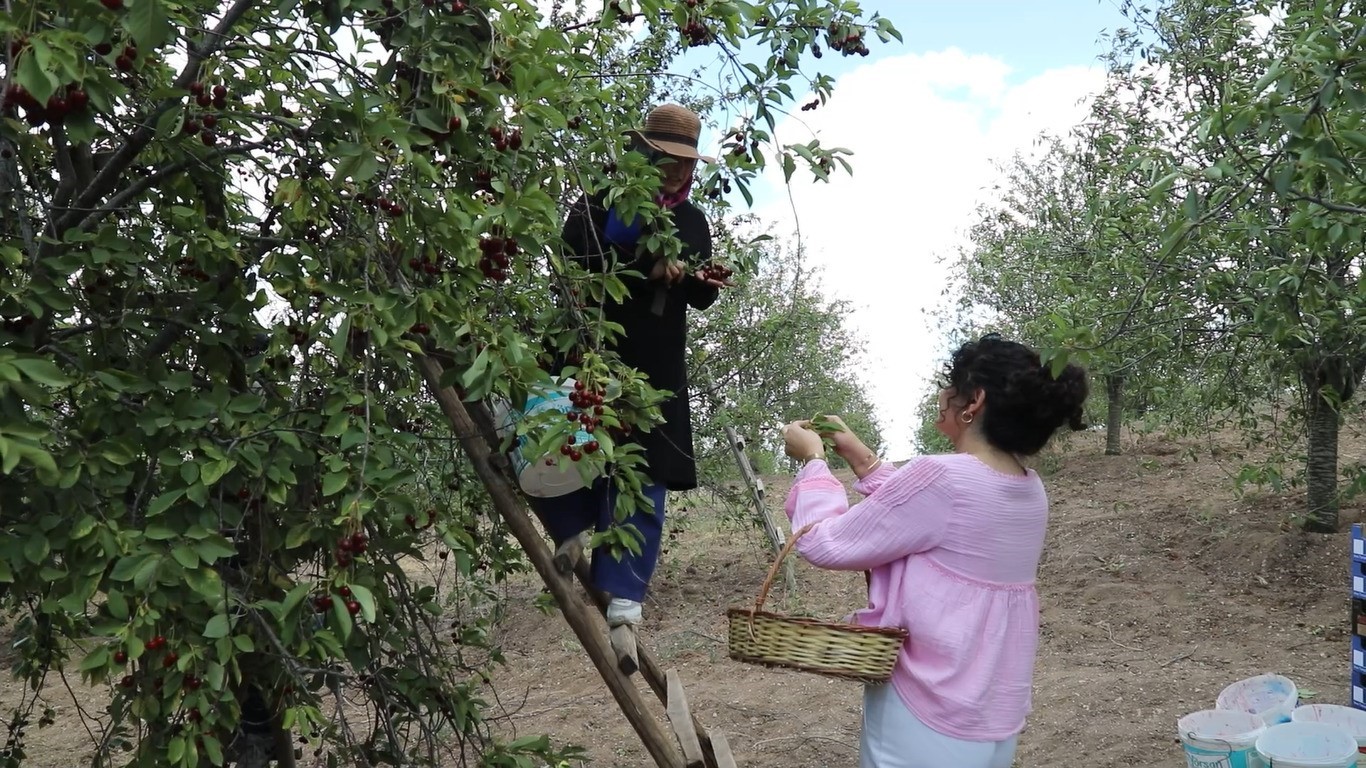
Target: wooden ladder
x,y
693,745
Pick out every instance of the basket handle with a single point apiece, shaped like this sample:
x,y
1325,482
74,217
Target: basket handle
x,y
773,572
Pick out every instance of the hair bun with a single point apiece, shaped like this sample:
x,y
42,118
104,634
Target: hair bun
x,y
1068,392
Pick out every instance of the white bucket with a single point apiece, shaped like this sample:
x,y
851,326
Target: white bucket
x,y
1272,696
1351,719
1307,745
1219,738
559,477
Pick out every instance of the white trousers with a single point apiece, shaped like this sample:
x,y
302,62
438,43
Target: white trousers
x,y
895,738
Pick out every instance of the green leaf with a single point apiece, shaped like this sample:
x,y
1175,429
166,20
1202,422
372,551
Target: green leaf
x,y
127,566
243,643
164,501
217,627
477,369
366,598
334,482
40,83
213,749
117,604
214,676
159,532
42,371
186,556
36,549
212,473
343,618
297,535
95,659
175,751
147,22
213,548
147,572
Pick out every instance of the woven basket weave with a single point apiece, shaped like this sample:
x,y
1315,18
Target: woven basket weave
x,y
846,651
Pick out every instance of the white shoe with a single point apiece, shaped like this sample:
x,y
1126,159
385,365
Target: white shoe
x,y
621,611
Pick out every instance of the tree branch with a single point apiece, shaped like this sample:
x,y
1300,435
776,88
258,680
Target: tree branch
x,y
123,157
151,180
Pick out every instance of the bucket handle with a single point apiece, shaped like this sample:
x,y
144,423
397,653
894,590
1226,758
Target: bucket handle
x,y
773,574
1227,744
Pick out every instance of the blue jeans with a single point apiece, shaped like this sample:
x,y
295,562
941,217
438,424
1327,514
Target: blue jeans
x,y
565,517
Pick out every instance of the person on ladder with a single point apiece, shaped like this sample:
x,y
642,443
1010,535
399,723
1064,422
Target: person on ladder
x,y
653,318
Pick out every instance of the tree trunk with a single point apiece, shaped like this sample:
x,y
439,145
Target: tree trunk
x,y
1114,415
1321,465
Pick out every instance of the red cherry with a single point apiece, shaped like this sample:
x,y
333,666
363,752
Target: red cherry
x,y
170,660
210,121
77,100
352,607
104,49
344,591
113,5
123,63
323,603
209,138
130,51
566,449
196,87
575,455
454,123
220,91
193,684
127,681
120,657
591,446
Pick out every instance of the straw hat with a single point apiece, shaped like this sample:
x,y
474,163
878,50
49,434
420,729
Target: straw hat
x,y
673,130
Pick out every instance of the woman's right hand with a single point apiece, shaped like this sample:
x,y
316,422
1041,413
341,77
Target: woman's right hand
x,y
845,440
849,447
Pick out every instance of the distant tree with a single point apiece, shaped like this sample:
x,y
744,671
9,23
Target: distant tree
x,y
775,349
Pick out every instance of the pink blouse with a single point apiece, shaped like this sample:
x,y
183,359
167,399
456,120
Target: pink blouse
x,y
952,546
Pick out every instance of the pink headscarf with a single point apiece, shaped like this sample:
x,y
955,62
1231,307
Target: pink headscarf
x,y
668,202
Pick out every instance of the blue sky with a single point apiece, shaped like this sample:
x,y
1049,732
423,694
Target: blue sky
x,y
973,82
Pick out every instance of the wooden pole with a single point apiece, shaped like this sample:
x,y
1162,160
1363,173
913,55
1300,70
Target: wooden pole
x,y
587,625
756,490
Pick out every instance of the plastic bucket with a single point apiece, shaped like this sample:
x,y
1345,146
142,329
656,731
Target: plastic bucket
x,y
1220,738
1272,696
1307,745
543,477
1349,719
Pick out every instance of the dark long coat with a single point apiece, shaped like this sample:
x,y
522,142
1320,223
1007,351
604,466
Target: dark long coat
x,y
654,344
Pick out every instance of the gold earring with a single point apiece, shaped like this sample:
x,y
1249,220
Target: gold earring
x,y
966,417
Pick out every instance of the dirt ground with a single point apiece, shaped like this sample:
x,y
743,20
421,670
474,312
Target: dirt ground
x,y
1159,588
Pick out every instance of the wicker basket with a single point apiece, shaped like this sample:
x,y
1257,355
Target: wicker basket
x,y
846,651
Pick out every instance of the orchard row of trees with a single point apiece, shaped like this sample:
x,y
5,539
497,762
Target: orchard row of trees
x,y
227,230
1198,239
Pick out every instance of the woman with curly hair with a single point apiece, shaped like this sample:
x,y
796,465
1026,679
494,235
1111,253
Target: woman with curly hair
x,y
951,544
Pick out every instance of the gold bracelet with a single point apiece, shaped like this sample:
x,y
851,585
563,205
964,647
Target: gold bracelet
x,y
870,468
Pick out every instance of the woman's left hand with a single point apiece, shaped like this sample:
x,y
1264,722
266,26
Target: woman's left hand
x,y
803,444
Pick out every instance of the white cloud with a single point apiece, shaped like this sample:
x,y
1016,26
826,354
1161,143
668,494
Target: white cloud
x,y
924,129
